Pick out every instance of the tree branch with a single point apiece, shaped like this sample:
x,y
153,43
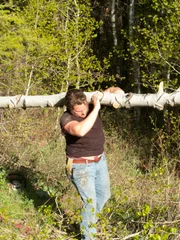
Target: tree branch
x,y
157,100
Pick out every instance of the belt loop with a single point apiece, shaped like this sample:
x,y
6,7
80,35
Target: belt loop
x,y
86,161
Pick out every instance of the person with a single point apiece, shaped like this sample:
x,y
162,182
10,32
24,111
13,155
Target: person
x,y
86,162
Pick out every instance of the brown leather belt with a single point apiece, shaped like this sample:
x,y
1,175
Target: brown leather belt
x,y
83,160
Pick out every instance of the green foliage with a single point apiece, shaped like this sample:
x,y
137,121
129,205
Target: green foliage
x,y
45,47
14,209
166,141
161,33
154,44
23,50
142,205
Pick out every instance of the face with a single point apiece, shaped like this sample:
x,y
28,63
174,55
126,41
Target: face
x,y
81,110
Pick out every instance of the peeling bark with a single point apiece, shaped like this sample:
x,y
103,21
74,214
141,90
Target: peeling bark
x,y
157,100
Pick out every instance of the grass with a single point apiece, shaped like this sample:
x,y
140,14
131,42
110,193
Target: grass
x,y
144,205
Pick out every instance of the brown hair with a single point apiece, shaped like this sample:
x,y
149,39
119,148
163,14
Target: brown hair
x,y
74,97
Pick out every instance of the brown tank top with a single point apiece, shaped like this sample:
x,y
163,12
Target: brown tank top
x,y
92,144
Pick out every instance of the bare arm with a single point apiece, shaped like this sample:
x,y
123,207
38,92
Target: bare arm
x,y
114,90
81,128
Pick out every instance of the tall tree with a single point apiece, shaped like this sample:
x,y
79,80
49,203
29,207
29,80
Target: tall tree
x,y
157,42
45,47
75,31
24,49
135,57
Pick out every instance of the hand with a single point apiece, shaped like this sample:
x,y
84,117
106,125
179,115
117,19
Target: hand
x,y
95,99
115,90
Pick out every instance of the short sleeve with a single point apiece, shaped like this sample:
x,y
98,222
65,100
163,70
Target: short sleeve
x,y
66,117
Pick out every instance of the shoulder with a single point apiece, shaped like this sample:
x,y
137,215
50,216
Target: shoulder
x,y
65,118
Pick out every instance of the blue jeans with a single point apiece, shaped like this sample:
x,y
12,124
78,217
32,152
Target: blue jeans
x,y
93,185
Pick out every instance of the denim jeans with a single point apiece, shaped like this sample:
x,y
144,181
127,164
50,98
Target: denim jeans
x,y
93,185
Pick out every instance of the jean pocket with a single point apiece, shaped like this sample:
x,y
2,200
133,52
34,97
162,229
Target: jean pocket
x,y
79,171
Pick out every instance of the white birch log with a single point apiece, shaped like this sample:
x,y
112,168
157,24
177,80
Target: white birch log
x,y
157,100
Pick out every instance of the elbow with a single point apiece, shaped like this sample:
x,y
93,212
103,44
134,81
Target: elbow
x,y
81,132
78,130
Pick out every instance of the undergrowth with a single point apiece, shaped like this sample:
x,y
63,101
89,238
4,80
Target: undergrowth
x,y
145,201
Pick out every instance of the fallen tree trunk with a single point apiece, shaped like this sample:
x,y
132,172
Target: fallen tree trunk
x,y
157,100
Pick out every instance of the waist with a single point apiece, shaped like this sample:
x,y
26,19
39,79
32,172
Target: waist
x,y
82,160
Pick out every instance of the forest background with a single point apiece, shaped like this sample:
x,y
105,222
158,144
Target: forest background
x,y
47,47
